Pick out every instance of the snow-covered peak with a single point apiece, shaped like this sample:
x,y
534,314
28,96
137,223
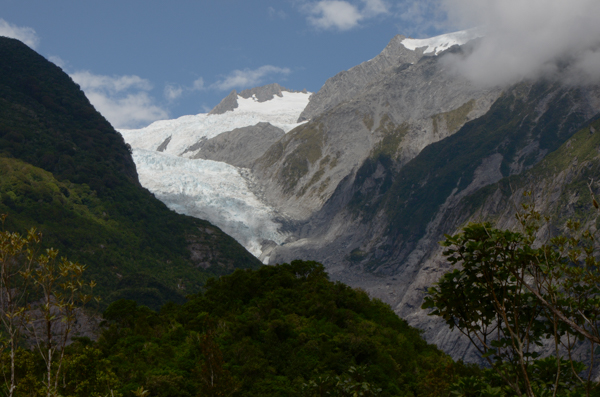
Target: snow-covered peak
x,y
286,108
184,132
438,44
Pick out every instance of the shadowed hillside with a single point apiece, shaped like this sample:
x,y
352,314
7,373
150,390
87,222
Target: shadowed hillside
x,y
66,171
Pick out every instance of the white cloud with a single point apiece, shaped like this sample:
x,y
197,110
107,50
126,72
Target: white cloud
x,y
527,39
25,34
334,14
374,8
343,15
276,14
112,84
123,100
173,92
248,78
198,84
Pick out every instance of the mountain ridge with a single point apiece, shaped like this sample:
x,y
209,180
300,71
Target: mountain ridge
x,y
261,94
391,155
67,172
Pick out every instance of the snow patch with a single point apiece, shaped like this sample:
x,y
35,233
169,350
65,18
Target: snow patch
x,y
436,45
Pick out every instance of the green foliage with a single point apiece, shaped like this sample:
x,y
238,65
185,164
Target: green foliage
x,y
453,119
392,136
368,121
282,330
88,374
509,296
310,140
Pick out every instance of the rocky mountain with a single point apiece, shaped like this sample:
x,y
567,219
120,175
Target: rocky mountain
x,y
240,147
260,94
66,171
391,155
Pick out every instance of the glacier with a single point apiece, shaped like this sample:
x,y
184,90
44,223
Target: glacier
x,y
219,192
212,190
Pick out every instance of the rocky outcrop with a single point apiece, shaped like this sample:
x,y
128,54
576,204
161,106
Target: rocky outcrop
x,y
349,83
262,94
239,147
227,104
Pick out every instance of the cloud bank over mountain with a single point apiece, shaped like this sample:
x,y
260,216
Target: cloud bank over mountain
x,y
124,100
23,33
528,39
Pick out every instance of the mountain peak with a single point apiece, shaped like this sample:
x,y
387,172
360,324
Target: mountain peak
x,y
437,44
261,94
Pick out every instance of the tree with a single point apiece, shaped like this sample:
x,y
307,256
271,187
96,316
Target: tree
x,y
216,380
63,291
17,257
57,283
511,295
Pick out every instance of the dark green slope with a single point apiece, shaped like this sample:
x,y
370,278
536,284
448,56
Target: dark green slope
x,y
411,197
283,330
65,170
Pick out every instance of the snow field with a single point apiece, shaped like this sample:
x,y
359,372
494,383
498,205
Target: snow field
x,y
438,44
282,112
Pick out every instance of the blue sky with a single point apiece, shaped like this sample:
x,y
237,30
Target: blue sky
x,y
144,60
139,61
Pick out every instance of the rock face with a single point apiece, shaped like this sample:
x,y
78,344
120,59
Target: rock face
x,y
227,104
264,93
379,229
349,83
397,153
402,110
241,146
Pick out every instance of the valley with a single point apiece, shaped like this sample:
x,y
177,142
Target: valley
x,y
368,174
306,198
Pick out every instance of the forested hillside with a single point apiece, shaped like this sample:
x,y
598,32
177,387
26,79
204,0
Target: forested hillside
x,y
66,171
282,330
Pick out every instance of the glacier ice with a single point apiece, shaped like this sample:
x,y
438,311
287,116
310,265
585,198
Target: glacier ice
x,y
210,190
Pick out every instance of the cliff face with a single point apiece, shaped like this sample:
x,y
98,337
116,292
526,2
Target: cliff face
x,y
403,109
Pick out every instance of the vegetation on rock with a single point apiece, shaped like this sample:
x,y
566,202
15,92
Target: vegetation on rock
x,y
516,299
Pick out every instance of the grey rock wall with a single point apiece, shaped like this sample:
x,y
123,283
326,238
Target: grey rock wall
x,y
228,103
349,83
239,147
